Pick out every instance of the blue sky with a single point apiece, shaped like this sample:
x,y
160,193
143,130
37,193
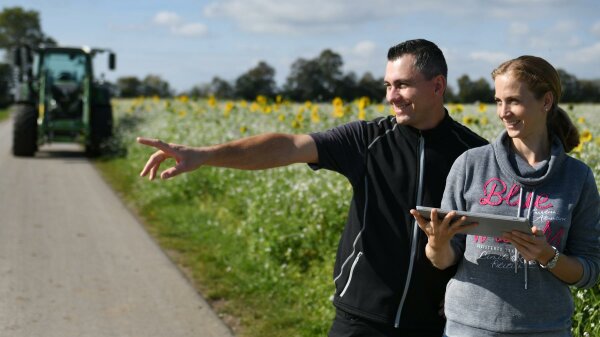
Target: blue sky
x,y
189,42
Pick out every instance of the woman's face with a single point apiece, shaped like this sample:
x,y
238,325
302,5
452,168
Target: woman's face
x,y
523,115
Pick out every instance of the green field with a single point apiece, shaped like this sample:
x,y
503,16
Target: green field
x,y
260,245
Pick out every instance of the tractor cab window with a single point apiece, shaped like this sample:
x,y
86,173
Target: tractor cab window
x,y
65,74
65,67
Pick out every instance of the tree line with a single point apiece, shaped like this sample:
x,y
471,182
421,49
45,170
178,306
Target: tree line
x,y
318,79
322,79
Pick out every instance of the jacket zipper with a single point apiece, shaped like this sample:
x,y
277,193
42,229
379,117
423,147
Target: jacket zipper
x,y
351,273
413,244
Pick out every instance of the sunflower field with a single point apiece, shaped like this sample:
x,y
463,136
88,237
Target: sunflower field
x,y
260,245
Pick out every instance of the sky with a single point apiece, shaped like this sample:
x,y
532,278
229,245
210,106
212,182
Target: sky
x,y
189,42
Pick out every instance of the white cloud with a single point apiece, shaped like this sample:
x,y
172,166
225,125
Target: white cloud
x,y
128,27
596,29
493,58
190,29
284,17
364,48
361,57
177,26
574,41
518,28
521,9
542,38
276,16
310,16
165,18
587,55
537,42
564,27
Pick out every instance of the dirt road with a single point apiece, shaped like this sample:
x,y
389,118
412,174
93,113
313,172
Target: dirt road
x,y
75,263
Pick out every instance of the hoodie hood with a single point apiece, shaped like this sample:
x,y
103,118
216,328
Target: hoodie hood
x,y
501,146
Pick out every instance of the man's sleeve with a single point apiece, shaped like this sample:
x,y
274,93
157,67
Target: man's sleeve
x,y
453,199
341,149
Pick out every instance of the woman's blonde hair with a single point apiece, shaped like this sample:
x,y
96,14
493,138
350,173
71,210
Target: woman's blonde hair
x,y
541,77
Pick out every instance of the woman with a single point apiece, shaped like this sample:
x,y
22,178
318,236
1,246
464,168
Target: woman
x,y
518,284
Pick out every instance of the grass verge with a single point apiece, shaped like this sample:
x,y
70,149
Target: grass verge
x,y
4,114
199,235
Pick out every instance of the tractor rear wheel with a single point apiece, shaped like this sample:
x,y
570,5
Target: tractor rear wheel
x,y
24,130
101,122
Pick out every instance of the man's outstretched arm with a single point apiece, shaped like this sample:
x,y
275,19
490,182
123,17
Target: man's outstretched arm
x,y
253,153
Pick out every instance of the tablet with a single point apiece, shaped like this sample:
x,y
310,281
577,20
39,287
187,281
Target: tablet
x,y
489,224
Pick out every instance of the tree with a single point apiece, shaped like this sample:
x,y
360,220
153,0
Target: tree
x,y
222,89
259,80
450,96
154,85
347,87
589,90
570,87
330,66
470,91
218,87
19,26
315,79
200,90
299,84
371,87
129,86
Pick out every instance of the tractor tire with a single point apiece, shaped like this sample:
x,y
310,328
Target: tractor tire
x,y
24,130
101,127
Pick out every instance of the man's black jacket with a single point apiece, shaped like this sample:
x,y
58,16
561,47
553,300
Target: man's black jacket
x,y
381,271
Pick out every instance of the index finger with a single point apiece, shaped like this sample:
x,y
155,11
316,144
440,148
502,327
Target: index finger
x,y
421,221
157,143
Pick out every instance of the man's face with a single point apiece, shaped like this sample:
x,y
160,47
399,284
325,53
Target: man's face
x,y
414,99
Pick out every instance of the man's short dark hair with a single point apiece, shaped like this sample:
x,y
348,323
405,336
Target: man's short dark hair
x,y
429,59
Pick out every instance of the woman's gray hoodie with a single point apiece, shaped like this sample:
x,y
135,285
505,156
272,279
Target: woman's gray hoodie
x,y
491,294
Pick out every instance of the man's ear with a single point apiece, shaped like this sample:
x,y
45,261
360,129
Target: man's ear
x,y
439,85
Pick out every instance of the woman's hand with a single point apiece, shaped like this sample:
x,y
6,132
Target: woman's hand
x,y
439,233
533,247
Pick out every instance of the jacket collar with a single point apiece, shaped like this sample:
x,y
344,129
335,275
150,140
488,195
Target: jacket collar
x,y
440,130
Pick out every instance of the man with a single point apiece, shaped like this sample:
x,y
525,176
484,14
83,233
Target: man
x,y
385,286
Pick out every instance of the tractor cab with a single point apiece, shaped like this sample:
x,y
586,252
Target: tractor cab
x,y
64,73
58,91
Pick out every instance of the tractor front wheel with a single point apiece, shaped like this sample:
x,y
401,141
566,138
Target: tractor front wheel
x,y
24,130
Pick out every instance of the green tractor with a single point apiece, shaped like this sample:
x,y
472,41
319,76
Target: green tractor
x,y
58,100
